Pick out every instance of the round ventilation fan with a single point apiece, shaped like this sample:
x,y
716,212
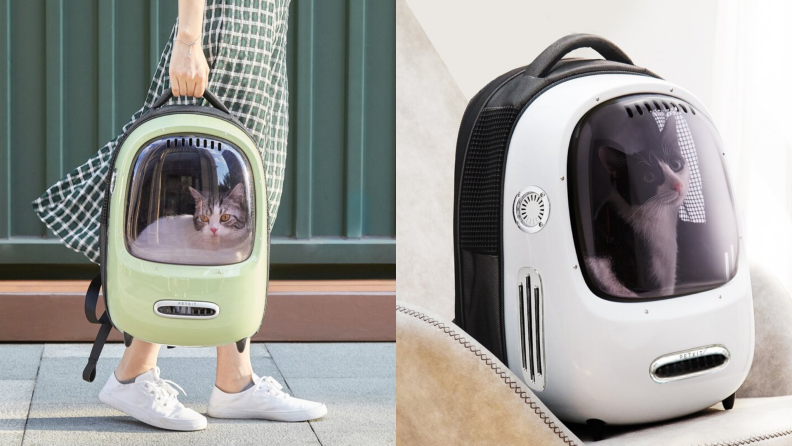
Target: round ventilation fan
x,y
531,209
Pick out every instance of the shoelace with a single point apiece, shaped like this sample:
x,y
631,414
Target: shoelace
x,y
271,386
161,388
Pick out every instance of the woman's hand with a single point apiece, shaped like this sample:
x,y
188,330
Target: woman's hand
x,y
188,70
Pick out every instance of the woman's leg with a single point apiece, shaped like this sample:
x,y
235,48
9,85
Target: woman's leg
x,y
139,358
234,371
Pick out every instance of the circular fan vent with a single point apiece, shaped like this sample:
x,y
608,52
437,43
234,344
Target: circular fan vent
x,y
531,209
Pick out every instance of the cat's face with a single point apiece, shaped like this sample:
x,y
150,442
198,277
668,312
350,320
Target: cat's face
x,y
658,173
223,218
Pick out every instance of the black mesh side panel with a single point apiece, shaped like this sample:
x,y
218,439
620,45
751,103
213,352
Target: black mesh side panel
x,y
481,284
482,176
480,230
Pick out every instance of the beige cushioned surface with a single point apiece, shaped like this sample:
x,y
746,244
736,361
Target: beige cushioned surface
x,y
451,391
771,372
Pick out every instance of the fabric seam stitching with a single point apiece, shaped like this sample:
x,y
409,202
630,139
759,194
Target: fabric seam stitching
x,y
753,439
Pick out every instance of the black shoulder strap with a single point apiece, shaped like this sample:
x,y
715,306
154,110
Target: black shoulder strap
x,y
91,298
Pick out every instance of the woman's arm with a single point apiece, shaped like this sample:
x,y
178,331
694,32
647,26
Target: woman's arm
x,y
189,71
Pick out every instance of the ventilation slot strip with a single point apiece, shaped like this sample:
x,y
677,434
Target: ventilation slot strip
x,y
186,310
689,363
531,327
647,106
190,142
538,332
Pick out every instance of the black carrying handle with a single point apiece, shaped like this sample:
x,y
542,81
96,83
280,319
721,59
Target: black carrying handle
x,y
208,95
543,65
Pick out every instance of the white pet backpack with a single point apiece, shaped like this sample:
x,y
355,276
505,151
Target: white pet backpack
x,y
597,246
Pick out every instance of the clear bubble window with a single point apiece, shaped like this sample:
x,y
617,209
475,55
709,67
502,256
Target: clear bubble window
x,y
651,203
190,202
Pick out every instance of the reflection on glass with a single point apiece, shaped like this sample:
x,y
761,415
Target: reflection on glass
x,y
190,202
653,210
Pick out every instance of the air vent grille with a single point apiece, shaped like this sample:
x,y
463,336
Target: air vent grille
x,y
531,209
186,310
689,366
531,307
690,363
647,107
193,142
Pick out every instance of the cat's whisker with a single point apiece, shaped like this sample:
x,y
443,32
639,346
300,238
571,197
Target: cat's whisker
x,y
647,202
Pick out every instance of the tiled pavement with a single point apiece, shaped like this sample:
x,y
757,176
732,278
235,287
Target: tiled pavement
x,y
43,400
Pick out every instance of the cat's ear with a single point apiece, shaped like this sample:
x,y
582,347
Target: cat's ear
x,y
237,193
614,160
196,195
669,133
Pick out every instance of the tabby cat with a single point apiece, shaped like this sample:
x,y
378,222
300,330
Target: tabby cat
x,y
214,234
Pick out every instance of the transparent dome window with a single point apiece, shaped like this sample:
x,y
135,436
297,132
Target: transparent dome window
x,y
651,204
190,202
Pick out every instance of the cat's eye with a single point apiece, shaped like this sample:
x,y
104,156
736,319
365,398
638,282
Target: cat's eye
x,y
676,165
204,218
649,177
224,218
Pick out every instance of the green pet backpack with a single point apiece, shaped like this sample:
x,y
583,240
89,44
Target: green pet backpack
x,y
184,232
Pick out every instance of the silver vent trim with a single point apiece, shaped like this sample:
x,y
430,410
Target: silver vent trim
x,y
531,209
532,342
185,309
686,355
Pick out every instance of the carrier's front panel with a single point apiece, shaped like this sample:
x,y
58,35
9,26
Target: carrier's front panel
x,y
621,341
187,241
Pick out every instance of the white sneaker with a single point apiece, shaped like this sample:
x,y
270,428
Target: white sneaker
x,y
153,401
265,401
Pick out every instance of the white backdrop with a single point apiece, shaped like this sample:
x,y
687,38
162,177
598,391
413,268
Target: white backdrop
x,y
734,55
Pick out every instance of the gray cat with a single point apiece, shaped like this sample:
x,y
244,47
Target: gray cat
x,y
216,233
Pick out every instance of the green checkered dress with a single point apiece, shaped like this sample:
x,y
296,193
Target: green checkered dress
x,y
245,45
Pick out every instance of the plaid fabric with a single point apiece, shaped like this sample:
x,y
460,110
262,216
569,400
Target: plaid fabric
x,y
245,45
692,209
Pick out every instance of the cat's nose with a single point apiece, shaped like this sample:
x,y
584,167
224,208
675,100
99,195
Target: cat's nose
x,y
214,230
678,187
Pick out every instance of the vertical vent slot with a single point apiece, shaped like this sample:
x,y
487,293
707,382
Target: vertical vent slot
x,y
522,328
538,331
531,306
529,329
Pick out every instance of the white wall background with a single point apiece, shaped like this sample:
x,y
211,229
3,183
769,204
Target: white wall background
x,y
735,55
479,40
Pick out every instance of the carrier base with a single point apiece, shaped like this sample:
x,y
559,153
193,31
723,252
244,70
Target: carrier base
x,y
241,345
728,403
596,429
128,339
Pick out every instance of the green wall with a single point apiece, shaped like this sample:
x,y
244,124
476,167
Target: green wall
x,y
72,72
